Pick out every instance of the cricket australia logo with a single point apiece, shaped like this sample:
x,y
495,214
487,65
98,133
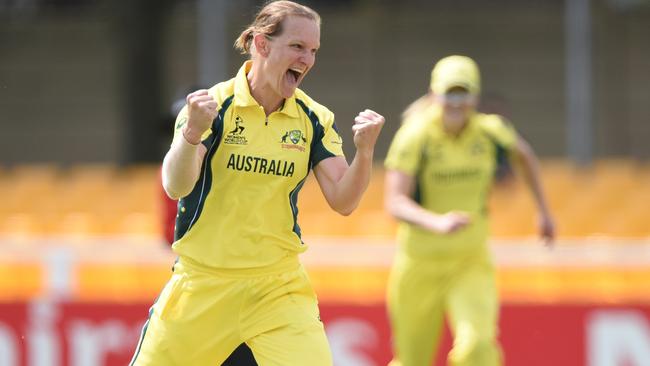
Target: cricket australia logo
x,y
293,140
236,136
477,148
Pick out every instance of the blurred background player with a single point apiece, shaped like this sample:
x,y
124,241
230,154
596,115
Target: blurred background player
x,y
237,278
440,168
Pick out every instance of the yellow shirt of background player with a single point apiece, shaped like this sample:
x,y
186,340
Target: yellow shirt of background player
x,y
452,173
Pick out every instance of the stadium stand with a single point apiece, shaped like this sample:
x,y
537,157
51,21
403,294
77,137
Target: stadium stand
x,y
608,199
108,219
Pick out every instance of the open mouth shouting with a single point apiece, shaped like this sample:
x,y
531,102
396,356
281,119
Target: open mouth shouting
x,y
294,76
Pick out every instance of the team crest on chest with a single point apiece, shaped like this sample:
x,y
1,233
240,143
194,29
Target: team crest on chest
x,y
236,135
477,148
294,140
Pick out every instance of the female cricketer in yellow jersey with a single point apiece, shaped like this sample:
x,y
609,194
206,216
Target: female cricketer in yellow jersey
x,y
440,167
241,152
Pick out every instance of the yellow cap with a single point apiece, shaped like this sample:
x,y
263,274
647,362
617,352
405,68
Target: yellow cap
x,y
455,71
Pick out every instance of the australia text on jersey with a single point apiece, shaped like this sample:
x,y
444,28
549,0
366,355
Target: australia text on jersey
x,y
257,164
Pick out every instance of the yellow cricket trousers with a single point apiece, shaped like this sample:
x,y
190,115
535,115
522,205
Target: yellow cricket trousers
x,y
203,314
422,292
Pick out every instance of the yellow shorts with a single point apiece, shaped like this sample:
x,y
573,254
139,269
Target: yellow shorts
x,y
204,313
422,292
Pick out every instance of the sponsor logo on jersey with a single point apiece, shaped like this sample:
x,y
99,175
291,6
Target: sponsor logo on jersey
x,y
181,123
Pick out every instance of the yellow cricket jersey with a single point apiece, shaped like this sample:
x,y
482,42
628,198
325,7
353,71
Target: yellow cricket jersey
x,y
242,212
451,174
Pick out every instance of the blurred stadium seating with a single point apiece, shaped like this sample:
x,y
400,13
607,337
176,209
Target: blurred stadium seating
x,y
608,199
79,205
82,200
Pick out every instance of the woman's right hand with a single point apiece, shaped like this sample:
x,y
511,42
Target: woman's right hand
x,y
449,222
201,111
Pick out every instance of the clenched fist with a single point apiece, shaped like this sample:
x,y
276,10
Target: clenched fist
x,y
366,128
201,111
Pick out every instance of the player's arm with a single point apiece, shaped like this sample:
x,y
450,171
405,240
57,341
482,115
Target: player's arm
x,y
182,164
528,164
399,188
343,185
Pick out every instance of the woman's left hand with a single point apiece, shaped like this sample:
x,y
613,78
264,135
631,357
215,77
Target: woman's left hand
x,y
365,130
